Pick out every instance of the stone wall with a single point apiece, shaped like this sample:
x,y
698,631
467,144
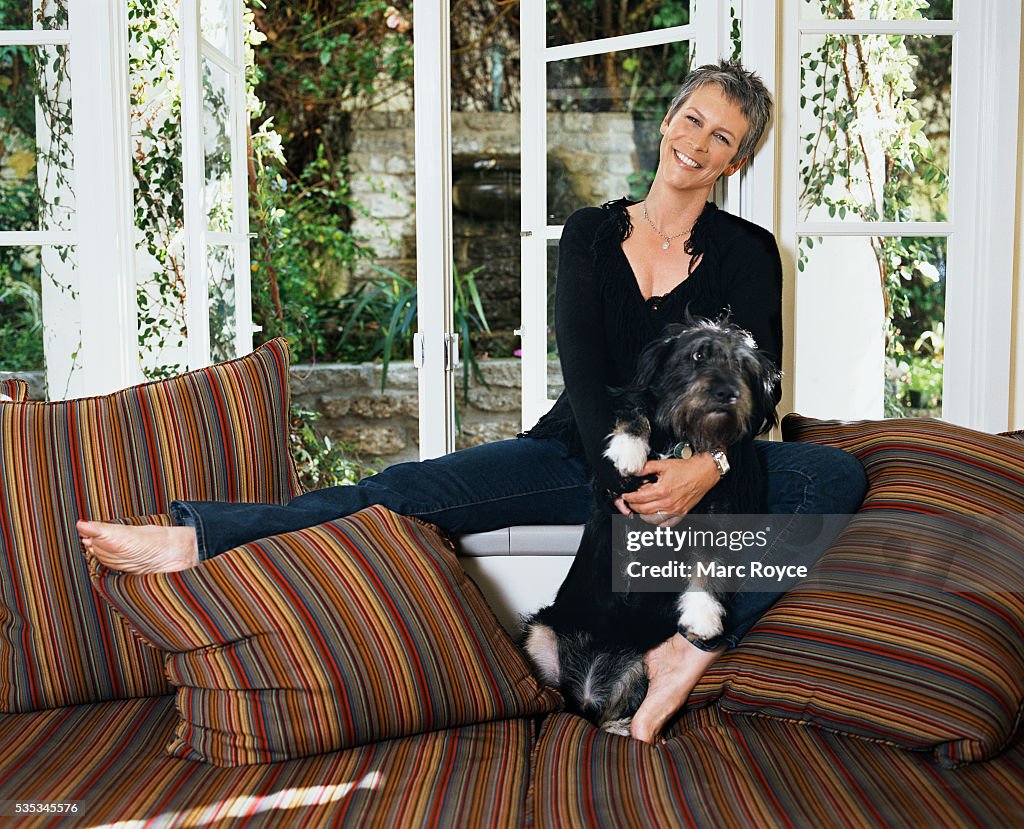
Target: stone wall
x,y
594,151
385,424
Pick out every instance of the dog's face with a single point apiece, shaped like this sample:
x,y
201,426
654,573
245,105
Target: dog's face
x,y
711,383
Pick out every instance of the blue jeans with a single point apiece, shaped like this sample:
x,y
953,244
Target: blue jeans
x,y
531,481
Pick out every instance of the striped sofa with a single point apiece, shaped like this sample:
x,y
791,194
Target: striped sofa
x,y
352,674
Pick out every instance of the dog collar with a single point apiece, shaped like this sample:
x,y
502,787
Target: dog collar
x,y
683,450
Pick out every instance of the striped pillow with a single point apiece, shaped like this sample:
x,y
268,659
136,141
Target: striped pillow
x,y
13,389
217,433
911,628
361,629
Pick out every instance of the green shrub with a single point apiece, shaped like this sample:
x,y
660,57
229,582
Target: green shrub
x,y
21,334
318,460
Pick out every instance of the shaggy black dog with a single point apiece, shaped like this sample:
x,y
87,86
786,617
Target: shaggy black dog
x,y
699,387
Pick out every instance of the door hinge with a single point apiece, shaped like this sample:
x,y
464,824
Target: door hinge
x,y
451,352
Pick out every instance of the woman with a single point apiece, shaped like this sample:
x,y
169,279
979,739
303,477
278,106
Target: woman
x,y
625,270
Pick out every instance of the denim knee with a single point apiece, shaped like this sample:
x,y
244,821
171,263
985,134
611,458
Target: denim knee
x,y
811,478
843,488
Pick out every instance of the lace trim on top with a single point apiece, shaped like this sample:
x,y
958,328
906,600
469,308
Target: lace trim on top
x,y
618,227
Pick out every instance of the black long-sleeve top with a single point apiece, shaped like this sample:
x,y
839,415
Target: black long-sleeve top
x,y
602,321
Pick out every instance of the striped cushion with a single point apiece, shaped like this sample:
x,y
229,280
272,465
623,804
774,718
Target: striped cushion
x,y
109,758
727,771
911,628
13,389
218,433
361,629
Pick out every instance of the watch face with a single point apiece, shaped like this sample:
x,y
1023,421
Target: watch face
x,y
722,460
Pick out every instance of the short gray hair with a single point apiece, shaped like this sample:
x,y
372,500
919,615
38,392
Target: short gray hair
x,y
743,88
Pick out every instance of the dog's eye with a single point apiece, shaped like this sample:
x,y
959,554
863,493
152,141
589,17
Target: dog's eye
x,y
697,356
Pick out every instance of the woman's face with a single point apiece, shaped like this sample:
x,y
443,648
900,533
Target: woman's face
x,y
699,143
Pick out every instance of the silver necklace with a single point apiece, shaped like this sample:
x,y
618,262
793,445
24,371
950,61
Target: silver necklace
x,y
668,239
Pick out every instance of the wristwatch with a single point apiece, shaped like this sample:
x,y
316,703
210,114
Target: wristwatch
x,y
721,461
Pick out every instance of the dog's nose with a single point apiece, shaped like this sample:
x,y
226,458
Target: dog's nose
x,y
726,394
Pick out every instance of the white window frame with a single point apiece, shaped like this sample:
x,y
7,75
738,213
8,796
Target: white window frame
x,y
90,341
983,141
91,332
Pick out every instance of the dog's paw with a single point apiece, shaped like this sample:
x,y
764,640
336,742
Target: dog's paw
x,y
619,727
627,452
701,614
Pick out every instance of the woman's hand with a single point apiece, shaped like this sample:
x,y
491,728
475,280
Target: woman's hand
x,y
680,485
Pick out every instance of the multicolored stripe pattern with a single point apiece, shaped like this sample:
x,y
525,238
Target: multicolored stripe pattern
x,y
910,630
723,771
361,629
217,433
16,390
109,758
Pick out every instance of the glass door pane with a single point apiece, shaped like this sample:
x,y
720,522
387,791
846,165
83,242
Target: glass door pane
x,y
28,275
876,9
155,112
36,194
217,147
840,311
603,120
35,139
874,127
577,22
18,15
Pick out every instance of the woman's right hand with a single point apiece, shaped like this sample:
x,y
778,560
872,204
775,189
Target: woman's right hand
x,y
679,486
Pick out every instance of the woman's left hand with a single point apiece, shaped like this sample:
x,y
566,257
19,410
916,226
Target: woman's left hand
x,y
680,485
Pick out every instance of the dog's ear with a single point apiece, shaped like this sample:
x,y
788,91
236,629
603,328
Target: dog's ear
x,y
651,359
542,646
763,379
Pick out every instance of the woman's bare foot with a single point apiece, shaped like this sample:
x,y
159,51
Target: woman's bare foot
x,y
673,670
140,549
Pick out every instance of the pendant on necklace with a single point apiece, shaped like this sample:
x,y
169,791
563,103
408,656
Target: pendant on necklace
x,y
665,244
